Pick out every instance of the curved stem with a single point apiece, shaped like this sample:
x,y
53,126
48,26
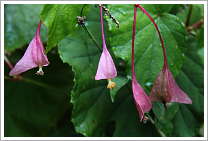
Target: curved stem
x,y
158,31
132,46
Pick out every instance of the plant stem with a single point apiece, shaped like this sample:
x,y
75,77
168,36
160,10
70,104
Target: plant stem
x,y
31,82
158,31
153,122
133,39
9,64
92,37
196,25
82,9
189,15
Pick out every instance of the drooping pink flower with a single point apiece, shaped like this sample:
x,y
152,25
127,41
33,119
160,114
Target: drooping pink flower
x,y
142,101
33,57
106,67
165,89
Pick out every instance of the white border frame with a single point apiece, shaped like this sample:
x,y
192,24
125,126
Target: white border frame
x,y
104,138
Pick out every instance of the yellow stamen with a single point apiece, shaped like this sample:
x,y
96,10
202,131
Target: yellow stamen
x,y
111,84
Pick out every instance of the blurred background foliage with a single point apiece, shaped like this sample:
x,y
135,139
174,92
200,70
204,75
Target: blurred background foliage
x,y
67,101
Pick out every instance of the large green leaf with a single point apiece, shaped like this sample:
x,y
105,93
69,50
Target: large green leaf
x,y
61,20
20,24
93,112
148,56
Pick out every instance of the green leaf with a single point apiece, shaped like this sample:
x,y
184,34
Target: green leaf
x,y
120,82
93,111
158,8
21,26
196,13
164,117
184,123
90,98
61,20
34,105
148,52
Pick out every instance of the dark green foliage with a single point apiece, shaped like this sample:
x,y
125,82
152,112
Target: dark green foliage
x,y
68,101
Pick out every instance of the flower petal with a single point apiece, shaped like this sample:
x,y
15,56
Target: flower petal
x,y
165,89
38,54
106,68
26,62
33,57
143,102
177,95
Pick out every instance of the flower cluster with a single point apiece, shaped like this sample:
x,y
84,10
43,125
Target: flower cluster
x,y
165,89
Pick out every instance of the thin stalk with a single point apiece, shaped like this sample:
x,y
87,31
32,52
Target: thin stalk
x,y
9,64
92,37
132,48
102,27
82,9
189,15
158,31
153,122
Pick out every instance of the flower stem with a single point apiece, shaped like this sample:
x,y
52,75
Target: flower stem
x,y
102,27
158,31
133,39
92,37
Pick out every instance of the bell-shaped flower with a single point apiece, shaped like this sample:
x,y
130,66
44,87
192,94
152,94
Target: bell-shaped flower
x,y
33,57
106,67
166,90
142,101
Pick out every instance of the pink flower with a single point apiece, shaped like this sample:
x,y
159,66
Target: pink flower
x,y
33,57
106,67
165,89
142,101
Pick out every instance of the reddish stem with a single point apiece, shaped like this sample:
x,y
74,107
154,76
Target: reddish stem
x,y
38,29
102,25
133,39
158,31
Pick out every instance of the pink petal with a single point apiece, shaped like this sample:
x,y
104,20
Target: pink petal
x,y
26,62
177,95
38,54
106,68
33,57
165,89
143,102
